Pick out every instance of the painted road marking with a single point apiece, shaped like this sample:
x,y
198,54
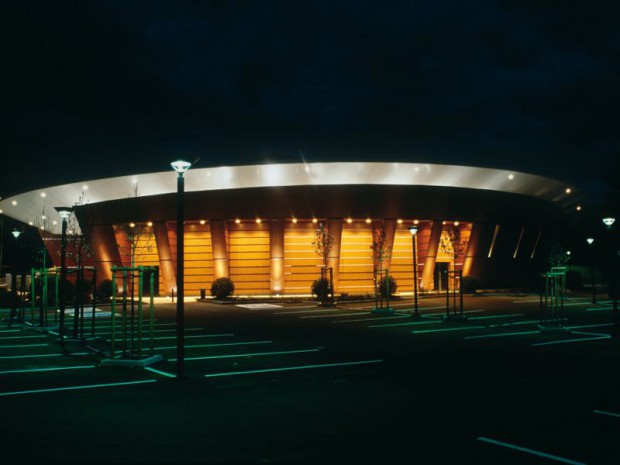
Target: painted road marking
x,y
75,388
22,345
437,315
463,328
42,355
22,337
36,370
10,330
160,338
494,316
590,326
259,306
373,319
603,412
410,323
216,345
336,315
598,309
299,367
252,354
529,451
597,336
305,311
503,334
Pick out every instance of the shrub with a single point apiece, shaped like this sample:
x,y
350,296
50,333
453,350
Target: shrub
x,y
222,288
469,285
105,288
383,286
320,288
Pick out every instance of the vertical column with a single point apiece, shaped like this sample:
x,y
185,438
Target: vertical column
x,y
431,256
472,247
166,264
221,267
334,226
276,255
106,251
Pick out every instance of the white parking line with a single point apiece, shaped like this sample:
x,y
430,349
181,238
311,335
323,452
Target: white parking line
x,y
299,367
161,338
603,412
597,336
305,311
37,370
409,323
22,345
530,451
373,318
216,345
11,357
462,328
251,354
75,388
598,309
519,333
336,315
10,330
22,337
494,316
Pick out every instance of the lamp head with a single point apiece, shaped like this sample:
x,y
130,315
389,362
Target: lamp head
x,y
64,212
16,233
180,166
590,240
609,221
413,230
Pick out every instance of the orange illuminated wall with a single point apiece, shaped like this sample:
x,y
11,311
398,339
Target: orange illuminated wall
x,y
356,267
248,252
301,263
401,266
198,259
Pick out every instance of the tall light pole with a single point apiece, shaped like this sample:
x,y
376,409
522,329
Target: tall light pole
x,y
414,235
612,286
16,233
180,166
590,241
65,213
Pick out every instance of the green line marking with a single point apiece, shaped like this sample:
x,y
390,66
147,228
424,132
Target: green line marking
x,y
567,341
529,451
495,316
75,388
305,311
159,372
373,319
411,323
22,345
590,326
159,338
503,334
36,370
603,412
22,337
598,309
10,330
217,345
252,354
464,328
513,323
337,315
41,355
299,367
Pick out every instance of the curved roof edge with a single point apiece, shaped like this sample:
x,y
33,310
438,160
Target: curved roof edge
x,y
30,207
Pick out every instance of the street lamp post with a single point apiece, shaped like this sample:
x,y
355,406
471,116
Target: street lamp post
x,y
180,166
414,235
612,286
590,241
16,233
65,213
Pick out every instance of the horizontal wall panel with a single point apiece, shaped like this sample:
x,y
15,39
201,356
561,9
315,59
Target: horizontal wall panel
x,y
249,260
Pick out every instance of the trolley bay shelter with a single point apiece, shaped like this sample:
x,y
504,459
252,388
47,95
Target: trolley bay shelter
x,y
256,224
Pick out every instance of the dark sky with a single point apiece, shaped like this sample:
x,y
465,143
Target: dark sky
x,y
94,89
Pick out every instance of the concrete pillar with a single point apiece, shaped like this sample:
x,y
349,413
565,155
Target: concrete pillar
x,y
106,251
166,262
221,267
472,247
334,226
276,255
431,256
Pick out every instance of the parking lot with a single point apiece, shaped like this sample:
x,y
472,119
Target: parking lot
x,y
291,382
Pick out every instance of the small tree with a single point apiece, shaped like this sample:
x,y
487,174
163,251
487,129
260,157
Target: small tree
x,y
323,243
453,244
81,246
381,252
557,255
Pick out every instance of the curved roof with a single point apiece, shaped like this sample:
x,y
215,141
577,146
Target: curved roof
x,y
29,207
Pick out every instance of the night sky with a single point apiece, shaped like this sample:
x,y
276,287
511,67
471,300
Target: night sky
x,y
94,89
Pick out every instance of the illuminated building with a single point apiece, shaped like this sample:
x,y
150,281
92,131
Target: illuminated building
x,y
256,224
